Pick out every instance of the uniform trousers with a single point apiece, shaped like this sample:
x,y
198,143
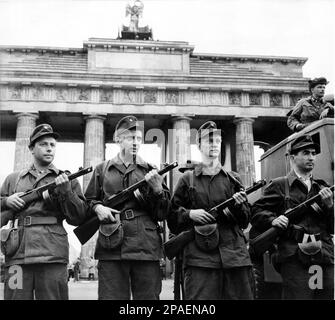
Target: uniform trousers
x,y
43,281
301,282
123,279
218,284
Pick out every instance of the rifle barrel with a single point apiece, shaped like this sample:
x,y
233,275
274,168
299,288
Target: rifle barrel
x,y
141,182
86,230
263,241
53,184
305,203
249,190
174,246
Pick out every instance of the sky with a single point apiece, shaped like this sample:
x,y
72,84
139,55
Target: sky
x,y
301,28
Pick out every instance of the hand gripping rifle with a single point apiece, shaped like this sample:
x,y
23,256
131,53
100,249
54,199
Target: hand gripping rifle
x,y
263,241
173,246
86,230
40,192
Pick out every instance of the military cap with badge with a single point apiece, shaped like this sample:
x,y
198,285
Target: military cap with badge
x,y
127,123
303,142
208,128
40,131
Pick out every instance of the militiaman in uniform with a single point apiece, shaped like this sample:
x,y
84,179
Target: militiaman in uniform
x,y
216,266
129,263
307,240
43,247
312,108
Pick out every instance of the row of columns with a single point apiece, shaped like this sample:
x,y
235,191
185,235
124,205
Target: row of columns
x,y
94,152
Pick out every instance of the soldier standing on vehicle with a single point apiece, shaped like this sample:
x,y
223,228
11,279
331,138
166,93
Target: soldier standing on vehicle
x,y
129,246
216,264
41,251
307,240
312,108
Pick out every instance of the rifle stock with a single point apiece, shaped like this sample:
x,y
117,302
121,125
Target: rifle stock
x,y
176,244
86,230
173,246
265,240
37,193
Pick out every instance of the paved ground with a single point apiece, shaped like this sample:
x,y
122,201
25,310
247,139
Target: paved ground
x,y
88,290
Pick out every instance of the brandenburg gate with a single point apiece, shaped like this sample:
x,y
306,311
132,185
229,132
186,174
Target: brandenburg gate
x,y
83,92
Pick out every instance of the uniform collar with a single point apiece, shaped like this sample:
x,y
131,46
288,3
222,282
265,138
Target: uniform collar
x,y
316,99
315,102
292,176
118,163
301,177
32,169
198,169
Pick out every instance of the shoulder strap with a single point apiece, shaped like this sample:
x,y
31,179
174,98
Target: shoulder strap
x,y
235,181
191,177
18,178
103,173
287,194
191,188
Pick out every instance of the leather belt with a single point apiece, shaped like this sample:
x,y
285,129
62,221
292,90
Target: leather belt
x,y
31,221
130,214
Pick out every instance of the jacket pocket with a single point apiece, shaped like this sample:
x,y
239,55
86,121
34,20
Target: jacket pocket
x,y
57,241
151,239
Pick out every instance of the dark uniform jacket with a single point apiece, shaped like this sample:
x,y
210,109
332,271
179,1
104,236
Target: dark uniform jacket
x,y
272,204
307,111
142,240
208,192
44,243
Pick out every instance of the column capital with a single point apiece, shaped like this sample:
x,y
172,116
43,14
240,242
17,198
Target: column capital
x,y
243,119
176,117
89,116
31,115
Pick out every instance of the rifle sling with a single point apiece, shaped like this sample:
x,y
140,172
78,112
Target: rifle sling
x,y
287,195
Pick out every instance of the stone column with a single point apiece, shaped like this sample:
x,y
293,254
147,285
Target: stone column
x,y
94,147
94,153
245,163
179,143
26,122
179,149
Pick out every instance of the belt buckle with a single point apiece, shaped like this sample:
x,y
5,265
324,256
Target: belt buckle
x,y
129,214
27,221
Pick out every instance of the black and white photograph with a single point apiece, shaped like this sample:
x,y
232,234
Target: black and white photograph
x,y
174,151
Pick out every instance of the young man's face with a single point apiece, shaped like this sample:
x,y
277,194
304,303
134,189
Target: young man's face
x,y
304,160
319,90
44,150
130,142
210,145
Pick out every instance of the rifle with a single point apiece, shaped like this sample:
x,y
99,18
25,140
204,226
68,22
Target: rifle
x,y
40,192
265,240
86,230
173,246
